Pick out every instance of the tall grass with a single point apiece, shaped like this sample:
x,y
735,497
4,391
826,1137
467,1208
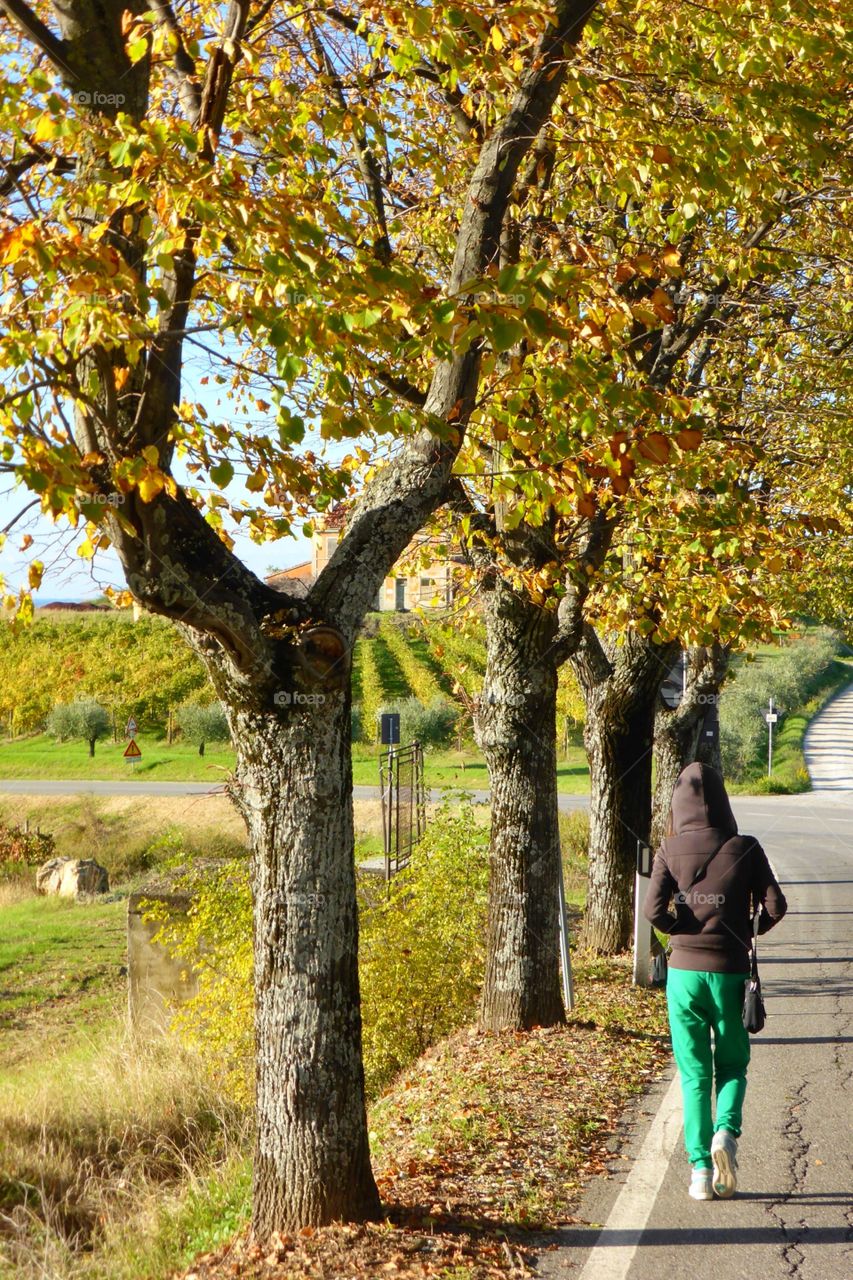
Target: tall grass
x,y
101,1148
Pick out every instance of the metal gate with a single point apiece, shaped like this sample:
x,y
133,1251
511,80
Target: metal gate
x,y
401,779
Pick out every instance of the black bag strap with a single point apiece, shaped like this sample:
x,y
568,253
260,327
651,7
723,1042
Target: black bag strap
x,y
753,946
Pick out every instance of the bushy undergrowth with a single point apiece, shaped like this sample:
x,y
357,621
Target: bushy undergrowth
x,y
420,954
432,725
27,848
790,678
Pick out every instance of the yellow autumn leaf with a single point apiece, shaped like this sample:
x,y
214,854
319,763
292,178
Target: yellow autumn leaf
x,y
35,574
150,483
671,261
86,550
497,39
46,129
16,242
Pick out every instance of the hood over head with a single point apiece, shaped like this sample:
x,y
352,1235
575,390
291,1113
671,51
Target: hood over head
x,y
699,801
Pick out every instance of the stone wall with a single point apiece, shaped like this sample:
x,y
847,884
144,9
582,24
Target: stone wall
x,y
157,982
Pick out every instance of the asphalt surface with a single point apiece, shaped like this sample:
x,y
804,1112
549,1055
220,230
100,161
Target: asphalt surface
x,y
755,807
792,1217
828,745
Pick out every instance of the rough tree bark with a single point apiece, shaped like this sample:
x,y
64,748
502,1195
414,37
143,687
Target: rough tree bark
x,y
678,731
516,727
281,664
620,684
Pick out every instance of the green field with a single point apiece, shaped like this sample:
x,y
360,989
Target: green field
x,y
41,757
60,969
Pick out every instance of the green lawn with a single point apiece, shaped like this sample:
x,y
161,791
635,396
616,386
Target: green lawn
x,y
41,757
60,971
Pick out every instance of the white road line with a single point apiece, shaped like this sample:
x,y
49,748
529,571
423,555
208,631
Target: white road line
x,y
613,1251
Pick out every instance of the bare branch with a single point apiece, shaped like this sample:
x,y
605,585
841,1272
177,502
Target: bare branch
x,y
183,70
33,27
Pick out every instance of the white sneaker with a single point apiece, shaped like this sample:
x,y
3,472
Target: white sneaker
x,y
701,1185
724,1156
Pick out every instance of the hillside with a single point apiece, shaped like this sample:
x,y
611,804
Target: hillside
x,y
144,669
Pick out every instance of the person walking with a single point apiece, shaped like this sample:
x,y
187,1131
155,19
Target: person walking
x,y
717,879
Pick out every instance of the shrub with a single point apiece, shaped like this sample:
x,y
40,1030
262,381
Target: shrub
x,y
421,954
202,723
422,949
431,726
82,719
26,847
789,679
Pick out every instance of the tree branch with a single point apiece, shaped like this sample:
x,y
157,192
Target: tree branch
x,y
183,70
467,127
578,583
33,27
367,162
402,497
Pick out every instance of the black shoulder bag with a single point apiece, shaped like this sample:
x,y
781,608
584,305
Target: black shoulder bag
x,y
753,1002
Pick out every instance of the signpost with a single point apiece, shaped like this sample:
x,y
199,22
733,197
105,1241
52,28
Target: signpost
x,y
565,955
132,753
771,717
130,729
642,928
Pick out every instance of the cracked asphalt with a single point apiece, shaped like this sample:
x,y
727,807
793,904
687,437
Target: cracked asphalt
x,y
793,1212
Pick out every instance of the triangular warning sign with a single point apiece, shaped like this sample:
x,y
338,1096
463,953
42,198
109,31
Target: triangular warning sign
x,y
132,751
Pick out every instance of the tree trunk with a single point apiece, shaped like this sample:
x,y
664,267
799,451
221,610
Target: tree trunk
x,y
312,1162
680,736
92,748
201,748
620,685
515,727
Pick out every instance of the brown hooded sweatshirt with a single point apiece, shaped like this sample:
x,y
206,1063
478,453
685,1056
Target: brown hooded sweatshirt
x,y
711,927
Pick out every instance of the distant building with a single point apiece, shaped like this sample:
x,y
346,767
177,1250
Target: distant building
x,y
429,586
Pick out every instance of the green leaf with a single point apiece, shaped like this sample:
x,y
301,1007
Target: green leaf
x,y
222,474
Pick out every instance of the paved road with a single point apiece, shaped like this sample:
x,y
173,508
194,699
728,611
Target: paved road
x,y
754,810
793,1215
828,745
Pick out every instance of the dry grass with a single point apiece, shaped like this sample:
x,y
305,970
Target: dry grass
x,y
92,1142
14,891
129,835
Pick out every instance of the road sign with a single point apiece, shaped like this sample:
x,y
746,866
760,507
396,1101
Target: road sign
x,y
132,751
770,717
390,728
130,728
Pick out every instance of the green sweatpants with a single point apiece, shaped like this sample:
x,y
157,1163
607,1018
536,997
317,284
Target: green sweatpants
x,y
697,1002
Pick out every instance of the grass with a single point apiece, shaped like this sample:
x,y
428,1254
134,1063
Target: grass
x,y
99,1128
119,1161
60,968
40,757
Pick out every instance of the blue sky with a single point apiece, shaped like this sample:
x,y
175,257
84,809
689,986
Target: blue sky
x,y
68,577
